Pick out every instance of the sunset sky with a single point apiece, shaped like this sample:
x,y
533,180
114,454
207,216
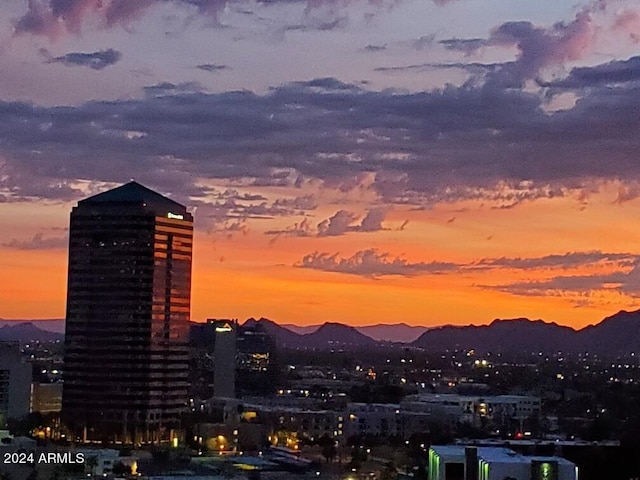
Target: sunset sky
x,y
363,161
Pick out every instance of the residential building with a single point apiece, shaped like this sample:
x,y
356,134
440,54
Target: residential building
x,y
459,462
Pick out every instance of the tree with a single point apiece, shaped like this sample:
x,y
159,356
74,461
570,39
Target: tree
x,y
329,452
23,426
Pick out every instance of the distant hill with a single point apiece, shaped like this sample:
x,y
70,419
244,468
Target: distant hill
x,y
382,332
301,329
283,336
336,335
396,332
328,335
511,335
50,325
615,335
619,333
27,332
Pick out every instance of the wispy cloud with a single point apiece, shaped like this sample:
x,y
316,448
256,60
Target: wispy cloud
x,y
38,242
372,263
564,261
54,18
213,67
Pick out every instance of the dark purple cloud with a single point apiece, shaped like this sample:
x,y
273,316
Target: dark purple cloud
x,y
612,73
624,282
375,48
466,45
372,263
302,228
338,224
94,60
53,18
563,261
538,47
343,222
213,67
470,142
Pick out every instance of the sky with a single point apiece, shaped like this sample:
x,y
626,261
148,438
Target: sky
x,y
362,161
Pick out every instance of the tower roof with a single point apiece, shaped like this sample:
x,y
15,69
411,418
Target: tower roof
x,y
133,193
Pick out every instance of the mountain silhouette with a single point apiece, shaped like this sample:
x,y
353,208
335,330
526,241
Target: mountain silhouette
x,y
25,332
618,334
328,335
336,335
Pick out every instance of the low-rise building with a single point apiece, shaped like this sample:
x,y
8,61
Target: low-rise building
x,y
460,462
473,408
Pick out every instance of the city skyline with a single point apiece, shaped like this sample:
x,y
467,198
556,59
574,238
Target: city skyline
x,y
426,162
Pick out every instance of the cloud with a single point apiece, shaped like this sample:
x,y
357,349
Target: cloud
x,y
372,263
625,282
338,224
302,228
466,45
627,22
375,48
227,211
38,242
300,204
343,222
538,47
474,142
424,42
616,72
213,67
55,18
564,261
95,60
372,222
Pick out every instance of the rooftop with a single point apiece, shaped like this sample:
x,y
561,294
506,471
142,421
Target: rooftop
x,y
135,194
456,453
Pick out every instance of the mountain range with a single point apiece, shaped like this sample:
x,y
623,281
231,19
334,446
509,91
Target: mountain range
x,y
618,334
382,332
55,325
27,332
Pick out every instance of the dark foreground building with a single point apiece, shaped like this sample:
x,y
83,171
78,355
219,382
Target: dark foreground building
x,y
231,360
127,326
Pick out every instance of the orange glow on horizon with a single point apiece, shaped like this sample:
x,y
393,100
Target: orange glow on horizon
x,y
252,274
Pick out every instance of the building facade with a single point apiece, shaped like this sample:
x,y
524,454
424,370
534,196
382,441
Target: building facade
x,y
127,322
15,383
459,462
224,358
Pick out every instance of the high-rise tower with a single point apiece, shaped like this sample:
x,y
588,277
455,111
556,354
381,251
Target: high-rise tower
x,y
128,309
